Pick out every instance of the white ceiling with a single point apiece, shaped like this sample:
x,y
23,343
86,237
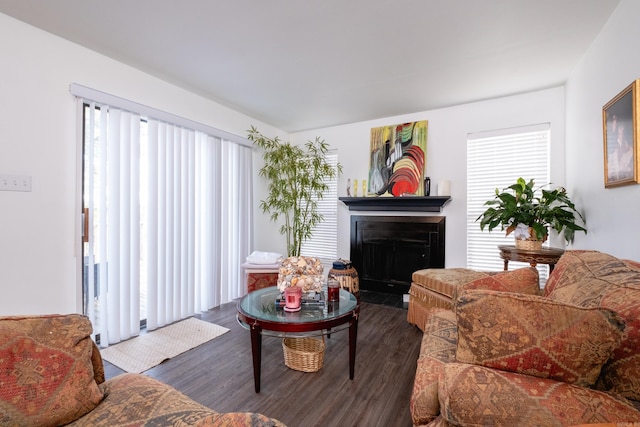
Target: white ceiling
x,y
307,64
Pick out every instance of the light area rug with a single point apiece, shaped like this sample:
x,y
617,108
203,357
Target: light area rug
x,y
152,348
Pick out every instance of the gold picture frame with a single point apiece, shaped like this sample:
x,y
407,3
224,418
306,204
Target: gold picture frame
x,y
620,136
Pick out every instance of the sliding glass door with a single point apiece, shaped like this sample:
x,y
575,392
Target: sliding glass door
x,y
167,221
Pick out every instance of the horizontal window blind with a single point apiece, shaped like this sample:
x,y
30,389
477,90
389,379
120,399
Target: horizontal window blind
x,y
496,160
324,242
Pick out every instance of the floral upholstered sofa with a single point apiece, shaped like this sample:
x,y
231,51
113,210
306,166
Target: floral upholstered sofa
x,y
570,356
51,374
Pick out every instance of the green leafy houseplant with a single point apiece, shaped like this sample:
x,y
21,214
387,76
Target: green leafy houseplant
x,y
521,207
297,177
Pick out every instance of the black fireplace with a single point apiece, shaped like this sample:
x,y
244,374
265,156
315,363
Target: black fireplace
x,y
386,250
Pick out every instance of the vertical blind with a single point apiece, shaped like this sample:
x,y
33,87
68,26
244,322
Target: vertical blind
x,y
169,220
497,160
324,242
111,192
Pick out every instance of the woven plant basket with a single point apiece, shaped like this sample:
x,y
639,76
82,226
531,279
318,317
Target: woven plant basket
x,y
303,354
529,245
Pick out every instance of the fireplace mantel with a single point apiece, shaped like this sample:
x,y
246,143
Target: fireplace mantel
x,y
408,203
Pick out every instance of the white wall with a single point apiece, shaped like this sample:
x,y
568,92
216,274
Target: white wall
x,y
611,63
446,152
38,239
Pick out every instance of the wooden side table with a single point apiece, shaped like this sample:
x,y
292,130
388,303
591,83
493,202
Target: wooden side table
x,y
548,256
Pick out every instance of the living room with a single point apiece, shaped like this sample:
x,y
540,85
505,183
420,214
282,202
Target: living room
x,y
42,226
48,152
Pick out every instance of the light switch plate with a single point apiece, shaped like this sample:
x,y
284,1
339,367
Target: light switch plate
x,y
15,183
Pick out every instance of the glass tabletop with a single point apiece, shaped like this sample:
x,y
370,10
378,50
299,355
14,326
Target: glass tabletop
x,y
261,305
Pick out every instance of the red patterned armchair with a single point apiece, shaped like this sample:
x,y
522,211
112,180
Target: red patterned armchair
x,y
568,357
51,374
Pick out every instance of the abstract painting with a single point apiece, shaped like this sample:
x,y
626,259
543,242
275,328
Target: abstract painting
x,y
398,159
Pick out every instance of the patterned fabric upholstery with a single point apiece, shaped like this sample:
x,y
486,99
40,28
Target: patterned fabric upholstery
x,y
438,347
595,279
438,422
257,281
480,396
471,394
440,287
46,371
536,336
137,400
452,281
51,374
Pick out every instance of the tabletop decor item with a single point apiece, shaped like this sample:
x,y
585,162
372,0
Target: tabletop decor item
x,y
308,301
529,212
346,275
297,177
302,272
333,290
293,298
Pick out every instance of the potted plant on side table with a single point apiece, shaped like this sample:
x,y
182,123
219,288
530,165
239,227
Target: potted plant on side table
x,y
529,212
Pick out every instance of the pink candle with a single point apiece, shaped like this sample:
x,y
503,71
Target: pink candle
x,y
293,297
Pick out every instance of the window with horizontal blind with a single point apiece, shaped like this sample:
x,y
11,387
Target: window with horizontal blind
x,y
496,160
324,242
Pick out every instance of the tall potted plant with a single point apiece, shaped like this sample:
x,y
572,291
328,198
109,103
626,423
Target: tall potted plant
x,y
297,177
529,212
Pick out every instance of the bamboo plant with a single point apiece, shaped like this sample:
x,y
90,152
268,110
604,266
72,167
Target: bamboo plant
x,y
297,177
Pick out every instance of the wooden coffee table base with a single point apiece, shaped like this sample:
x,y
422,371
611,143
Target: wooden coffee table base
x,y
256,348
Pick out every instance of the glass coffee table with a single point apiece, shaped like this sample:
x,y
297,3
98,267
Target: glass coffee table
x,y
257,312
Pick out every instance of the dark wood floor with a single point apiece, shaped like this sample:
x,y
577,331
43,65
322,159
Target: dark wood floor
x,y
219,373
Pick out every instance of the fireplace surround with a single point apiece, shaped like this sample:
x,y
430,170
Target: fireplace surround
x,y
386,250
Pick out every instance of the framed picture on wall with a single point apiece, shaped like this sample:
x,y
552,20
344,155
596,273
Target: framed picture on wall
x,y
397,159
620,132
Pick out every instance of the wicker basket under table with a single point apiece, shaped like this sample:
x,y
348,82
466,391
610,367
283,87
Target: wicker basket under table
x,y
304,354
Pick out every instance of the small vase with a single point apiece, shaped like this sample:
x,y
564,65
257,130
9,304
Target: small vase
x,y
293,298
